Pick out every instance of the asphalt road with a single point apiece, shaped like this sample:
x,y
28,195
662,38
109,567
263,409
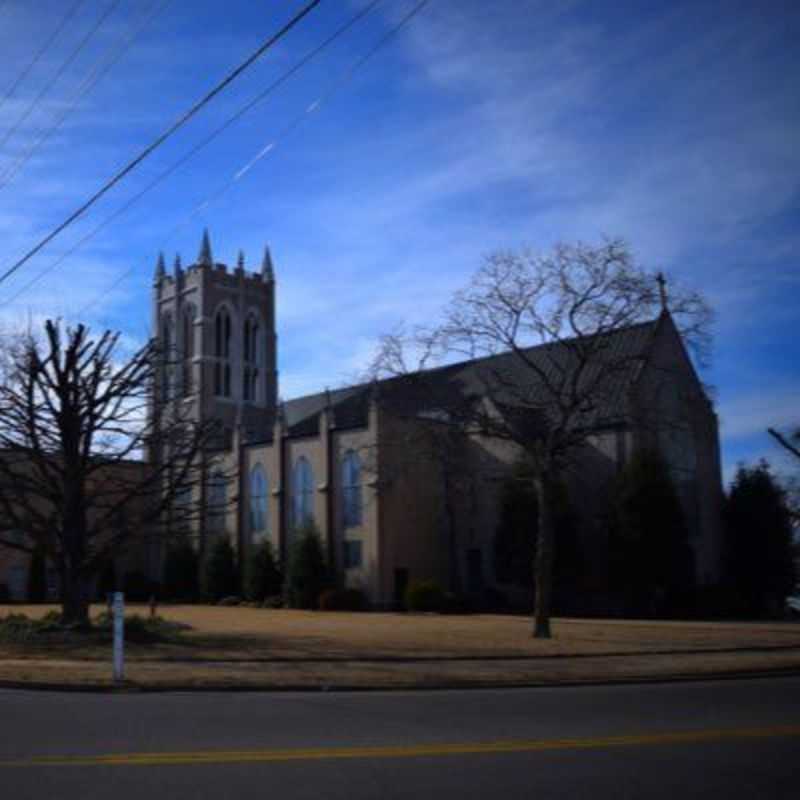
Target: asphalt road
x,y
731,739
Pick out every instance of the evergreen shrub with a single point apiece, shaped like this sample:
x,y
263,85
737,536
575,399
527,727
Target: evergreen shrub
x,y
263,577
220,576
424,595
307,574
180,572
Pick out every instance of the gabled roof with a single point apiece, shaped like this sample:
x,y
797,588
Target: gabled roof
x,y
445,387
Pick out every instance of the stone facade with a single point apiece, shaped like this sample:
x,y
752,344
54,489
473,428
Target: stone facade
x,y
417,516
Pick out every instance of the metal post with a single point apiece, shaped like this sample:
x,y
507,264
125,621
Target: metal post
x,y
119,637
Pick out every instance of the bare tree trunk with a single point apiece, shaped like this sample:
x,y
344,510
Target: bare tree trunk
x,y
543,567
74,598
74,592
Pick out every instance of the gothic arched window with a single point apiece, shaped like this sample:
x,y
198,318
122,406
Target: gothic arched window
x,y
258,499
182,507
351,490
216,503
250,372
302,493
168,351
222,352
188,348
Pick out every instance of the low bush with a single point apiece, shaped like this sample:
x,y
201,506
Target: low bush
x,y
5,595
233,600
274,601
18,628
144,630
424,596
343,600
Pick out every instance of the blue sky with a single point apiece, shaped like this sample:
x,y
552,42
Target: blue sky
x,y
480,126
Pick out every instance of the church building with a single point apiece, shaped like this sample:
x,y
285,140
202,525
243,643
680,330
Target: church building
x,y
364,463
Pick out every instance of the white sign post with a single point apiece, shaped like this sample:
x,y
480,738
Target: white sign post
x,y
119,637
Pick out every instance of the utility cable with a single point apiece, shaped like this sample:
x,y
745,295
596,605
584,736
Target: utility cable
x,y
71,11
65,65
259,98
182,120
333,89
109,59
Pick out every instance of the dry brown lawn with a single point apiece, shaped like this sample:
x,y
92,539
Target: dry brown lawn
x,y
249,647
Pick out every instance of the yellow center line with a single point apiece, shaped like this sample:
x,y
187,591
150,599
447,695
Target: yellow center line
x,y
404,751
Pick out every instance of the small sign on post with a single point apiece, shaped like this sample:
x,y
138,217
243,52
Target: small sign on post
x,y
119,637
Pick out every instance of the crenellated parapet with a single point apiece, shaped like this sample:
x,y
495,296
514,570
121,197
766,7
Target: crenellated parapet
x,y
218,325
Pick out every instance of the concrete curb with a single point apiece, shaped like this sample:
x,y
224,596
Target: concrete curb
x,y
132,688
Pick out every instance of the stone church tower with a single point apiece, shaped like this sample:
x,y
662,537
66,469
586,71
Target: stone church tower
x,y
217,326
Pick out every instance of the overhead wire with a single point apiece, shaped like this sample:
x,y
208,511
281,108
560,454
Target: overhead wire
x,y
155,144
71,11
336,85
64,66
252,103
108,60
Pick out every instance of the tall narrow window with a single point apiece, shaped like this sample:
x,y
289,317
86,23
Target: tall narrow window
x,y
258,500
188,349
351,490
250,372
216,503
222,352
167,348
182,508
302,493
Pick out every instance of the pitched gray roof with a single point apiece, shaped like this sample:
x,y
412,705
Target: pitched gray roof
x,y
617,355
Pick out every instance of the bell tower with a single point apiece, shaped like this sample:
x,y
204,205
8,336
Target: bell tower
x,y
217,327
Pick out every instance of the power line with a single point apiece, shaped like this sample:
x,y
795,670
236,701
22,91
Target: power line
x,y
54,80
109,59
259,98
185,117
42,50
333,89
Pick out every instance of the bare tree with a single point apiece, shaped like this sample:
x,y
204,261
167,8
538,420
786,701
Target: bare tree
x,y
545,399
789,442
76,426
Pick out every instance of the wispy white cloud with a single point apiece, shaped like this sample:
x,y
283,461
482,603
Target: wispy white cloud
x,y
774,406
